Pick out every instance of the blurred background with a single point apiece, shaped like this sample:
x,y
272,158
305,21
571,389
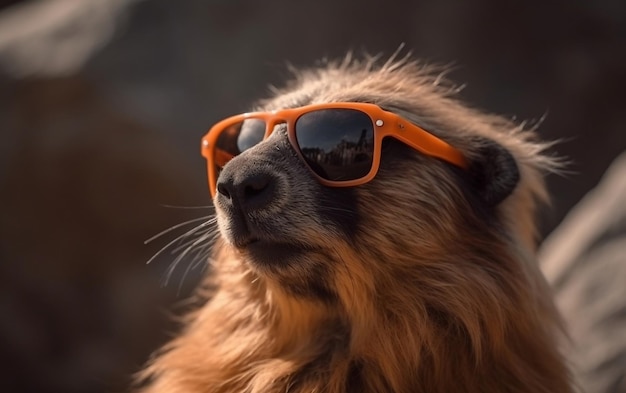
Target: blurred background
x,y
103,104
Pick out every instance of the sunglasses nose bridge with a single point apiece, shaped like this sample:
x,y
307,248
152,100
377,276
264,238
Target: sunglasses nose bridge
x,y
272,121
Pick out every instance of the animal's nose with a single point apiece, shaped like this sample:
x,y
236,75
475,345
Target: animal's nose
x,y
247,191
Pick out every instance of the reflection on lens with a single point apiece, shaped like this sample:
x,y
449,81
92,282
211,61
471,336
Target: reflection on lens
x,y
252,132
237,138
338,144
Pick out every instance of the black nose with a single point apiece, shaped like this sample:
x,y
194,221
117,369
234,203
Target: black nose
x,y
247,191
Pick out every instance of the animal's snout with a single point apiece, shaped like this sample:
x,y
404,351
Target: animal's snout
x,y
247,189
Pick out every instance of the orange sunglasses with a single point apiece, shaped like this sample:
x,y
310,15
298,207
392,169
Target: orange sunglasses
x,y
340,142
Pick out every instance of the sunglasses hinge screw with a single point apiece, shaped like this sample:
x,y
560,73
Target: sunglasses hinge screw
x,y
379,123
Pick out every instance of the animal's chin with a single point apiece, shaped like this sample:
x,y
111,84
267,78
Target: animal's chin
x,y
271,254
265,249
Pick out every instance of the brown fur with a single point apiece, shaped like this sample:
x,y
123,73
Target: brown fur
x,y
428,290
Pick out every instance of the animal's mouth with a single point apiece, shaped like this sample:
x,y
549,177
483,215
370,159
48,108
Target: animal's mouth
x,y
269,253
260,242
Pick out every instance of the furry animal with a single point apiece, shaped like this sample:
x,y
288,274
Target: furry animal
x,y
421,280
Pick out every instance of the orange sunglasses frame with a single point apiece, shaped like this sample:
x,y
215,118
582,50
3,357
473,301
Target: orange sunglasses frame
x,y
384,124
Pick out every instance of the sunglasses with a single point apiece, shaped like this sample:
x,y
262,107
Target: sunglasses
x,y
339,142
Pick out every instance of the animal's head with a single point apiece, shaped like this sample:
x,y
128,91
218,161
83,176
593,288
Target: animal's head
x,y
315,192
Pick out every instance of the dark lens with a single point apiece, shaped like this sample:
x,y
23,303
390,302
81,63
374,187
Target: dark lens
x,y
338,144
237,138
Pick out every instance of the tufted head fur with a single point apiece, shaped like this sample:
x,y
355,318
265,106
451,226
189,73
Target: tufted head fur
x,y
422,280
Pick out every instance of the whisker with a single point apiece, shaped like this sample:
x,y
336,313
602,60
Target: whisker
x,y
187,207
198,247
192,241
193,246
182,224
339,209
198,251
179,238
179,258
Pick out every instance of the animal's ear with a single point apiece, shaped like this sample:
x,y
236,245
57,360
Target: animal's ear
x,y
494,172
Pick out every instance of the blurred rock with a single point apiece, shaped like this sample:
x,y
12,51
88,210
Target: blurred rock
x,y
585,261
55,37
